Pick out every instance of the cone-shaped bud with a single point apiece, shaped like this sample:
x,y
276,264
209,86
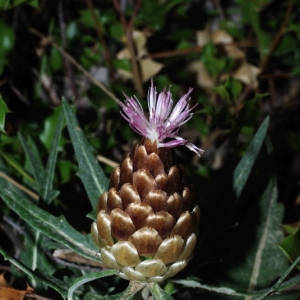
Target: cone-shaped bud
x,y
147,222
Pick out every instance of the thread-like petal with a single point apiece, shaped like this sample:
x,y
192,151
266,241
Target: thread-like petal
x,y
163,123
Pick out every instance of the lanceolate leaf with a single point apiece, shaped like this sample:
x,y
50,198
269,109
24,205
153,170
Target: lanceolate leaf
x,y
7,4
219,290
32,255
47,187
220,216
90,172
270,234
291,245
35,162
128,294
56,228
279,286
87,278
41,277
10,160
3,111
255,247
243,169
158,293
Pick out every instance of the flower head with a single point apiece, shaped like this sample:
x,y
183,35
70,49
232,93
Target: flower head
x,y
164,123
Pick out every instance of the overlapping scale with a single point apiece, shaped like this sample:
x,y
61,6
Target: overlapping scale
x,y
147,222
146,240
125,254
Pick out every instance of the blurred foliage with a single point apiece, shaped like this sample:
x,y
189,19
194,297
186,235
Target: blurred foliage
x,y
243,60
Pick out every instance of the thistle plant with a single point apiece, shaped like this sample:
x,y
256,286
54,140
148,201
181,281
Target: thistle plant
x,y
147,221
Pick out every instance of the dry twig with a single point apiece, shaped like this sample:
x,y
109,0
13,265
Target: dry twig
x,y
75,63
101,38
137,75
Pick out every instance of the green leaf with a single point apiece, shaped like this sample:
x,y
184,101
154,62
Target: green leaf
x,y
35,162
235,87
65,168
90,172
56,228
231,28
3,111
7,39
158,293
251,265
230,90
220,290
243,169
269,231
87,278
7,4
41,277
122,64
116,31
10,160
289,229
291,246
130,293
72,30
86,18
278,284
249,112
55,59
90,57
250,12
31,255
213,64
47,192
222,91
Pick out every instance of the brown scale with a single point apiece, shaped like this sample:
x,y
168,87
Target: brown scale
x,y
147,200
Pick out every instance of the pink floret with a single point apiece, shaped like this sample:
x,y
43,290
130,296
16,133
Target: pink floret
x,y
163,123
